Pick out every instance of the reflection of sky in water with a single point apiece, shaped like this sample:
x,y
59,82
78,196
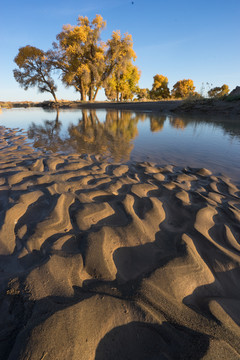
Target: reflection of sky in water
x,y
198,145
182,141
24,117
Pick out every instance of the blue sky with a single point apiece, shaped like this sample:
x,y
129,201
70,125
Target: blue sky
x,y
193,39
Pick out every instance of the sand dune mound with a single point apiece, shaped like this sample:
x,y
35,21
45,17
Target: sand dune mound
x,y
110,261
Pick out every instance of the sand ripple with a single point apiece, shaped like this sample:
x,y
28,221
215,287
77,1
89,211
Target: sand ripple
x,y
110,261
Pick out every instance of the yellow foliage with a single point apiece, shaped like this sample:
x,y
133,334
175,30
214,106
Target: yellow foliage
x,y
34,69
160,88
86,61
183,88
218,92
123,83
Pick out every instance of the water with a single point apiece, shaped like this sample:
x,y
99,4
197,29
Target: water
x,y
199,141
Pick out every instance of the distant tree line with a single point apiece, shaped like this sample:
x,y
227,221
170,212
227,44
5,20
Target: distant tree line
x,y
88,64
181,90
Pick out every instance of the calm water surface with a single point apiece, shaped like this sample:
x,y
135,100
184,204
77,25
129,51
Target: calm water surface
x,y
199,141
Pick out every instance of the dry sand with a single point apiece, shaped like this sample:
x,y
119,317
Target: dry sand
x,y
200,106
109,261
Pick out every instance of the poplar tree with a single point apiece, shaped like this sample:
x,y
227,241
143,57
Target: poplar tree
x,y
84,61
87,62
160,88
122,85
183,88
34,69
218,92
79,54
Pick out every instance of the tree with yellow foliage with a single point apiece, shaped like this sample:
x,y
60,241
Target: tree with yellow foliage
x,y
119,57
79,54
183,88
160,88
122,84
218,92
34,69
87,62
143,94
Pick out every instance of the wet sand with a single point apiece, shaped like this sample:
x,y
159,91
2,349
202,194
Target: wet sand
x,y
115,261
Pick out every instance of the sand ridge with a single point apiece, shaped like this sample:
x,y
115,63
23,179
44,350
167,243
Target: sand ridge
x,y
115,261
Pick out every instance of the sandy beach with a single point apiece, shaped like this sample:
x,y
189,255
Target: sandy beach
x,y
115,261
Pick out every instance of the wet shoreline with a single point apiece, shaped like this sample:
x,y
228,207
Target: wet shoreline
x,y
206,106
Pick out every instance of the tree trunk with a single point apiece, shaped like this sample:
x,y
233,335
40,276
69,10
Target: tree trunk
x,y
54,96
91,90
90,97
82,92
95,95
83,96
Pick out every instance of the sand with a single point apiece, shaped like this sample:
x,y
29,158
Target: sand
x,y
228,107
115,261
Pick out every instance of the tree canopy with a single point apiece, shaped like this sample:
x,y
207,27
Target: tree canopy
x,y
143,94
183,88
86,61
122,84
218,92
34,69
79,54
160,88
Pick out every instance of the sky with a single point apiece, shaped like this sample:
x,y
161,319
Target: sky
x,y
180,39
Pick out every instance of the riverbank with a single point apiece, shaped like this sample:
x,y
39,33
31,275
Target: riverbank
x,y
115,261
205,106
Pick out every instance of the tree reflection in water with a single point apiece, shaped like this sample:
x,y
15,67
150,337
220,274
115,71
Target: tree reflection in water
x,y
111,138
47,136
157,122
87,135
178,123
